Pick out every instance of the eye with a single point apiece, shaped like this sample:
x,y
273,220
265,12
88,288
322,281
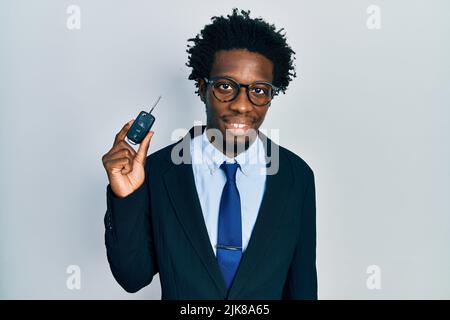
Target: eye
x,y
260,91
224,86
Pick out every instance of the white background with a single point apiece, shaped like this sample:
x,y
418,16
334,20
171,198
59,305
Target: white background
x,y
368,112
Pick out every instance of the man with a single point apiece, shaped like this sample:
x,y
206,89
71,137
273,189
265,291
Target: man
x,y
223,227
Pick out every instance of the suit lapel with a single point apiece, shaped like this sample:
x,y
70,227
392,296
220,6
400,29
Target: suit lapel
x,y
276,194
181,188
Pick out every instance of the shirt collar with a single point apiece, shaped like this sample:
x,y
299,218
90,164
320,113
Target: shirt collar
x,y
250,161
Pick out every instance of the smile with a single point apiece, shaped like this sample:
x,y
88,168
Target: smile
x,y
238,126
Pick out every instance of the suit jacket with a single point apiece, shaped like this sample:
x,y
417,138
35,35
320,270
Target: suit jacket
x,y
159,228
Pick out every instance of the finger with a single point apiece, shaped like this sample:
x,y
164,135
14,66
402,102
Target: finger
x,y
121,145
124,153
117,165
120,136
127,168
143,148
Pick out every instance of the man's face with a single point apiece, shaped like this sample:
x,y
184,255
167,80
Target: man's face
x,y
236,117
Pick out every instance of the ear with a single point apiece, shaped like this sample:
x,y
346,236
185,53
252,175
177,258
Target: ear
x,y
202,89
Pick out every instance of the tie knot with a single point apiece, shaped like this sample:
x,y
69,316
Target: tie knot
x,y
230,170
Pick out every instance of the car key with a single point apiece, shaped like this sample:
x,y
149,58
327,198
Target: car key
x,y
141,126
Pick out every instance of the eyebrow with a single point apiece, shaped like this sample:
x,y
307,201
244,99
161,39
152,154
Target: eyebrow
x,y
227,76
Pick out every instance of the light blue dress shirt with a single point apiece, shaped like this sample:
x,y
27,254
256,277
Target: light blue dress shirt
x,y
210,180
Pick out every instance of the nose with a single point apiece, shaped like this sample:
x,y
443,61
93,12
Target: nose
x,y
241,104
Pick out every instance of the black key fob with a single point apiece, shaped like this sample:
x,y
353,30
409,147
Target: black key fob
x,y
141,126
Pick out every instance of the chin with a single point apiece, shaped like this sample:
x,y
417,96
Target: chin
x,y
236,134
240,137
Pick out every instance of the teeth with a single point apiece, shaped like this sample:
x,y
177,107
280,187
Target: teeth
x,y
238,125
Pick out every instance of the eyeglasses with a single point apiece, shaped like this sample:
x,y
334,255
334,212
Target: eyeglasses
x,y
226,89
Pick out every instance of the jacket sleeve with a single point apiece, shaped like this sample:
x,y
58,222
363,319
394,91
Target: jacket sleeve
x,y
301,282
129,239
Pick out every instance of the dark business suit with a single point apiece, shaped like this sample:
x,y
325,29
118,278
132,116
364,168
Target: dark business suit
x,y
160,228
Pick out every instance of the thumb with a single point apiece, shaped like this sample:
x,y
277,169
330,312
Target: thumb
x,y
143,148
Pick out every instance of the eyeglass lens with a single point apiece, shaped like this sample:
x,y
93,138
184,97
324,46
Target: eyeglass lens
x,y
226,90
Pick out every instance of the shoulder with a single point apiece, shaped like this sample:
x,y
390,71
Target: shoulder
x,y
161,154
298,165
160,161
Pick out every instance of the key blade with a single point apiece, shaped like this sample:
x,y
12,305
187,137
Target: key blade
x,y
154,105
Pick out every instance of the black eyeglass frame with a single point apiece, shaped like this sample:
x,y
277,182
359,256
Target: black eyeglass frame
x,y
275,90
